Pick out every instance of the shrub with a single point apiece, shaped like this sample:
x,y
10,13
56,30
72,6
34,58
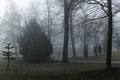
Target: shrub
x,y
35,46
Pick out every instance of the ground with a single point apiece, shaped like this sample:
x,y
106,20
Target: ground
x,y
49,71
20,70
115,57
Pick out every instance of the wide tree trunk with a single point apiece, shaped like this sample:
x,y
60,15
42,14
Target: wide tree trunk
x,y
66,32
110,32
71,34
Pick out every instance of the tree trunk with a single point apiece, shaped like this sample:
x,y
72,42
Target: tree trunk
x,y
85,46
95,50
13,37
49,19
71,34
8,57
66,32
104,45
8,64
14,42
16,49
118,47
110,32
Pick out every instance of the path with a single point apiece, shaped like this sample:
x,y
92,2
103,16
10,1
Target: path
x,y
115,62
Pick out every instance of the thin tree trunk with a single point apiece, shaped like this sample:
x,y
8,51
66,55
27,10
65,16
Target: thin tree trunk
x,y
49,19
66,32
71,34
85,46
118,48
105,40
118,44
14,42
8,64
8,60
110,32
16,51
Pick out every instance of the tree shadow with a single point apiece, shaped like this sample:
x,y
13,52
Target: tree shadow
x,y
105,74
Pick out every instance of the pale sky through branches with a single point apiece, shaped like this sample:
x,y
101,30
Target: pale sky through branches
x,y
3,5
19,3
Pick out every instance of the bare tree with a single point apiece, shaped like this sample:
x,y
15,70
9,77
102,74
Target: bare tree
x,y
72,33
66,32
110,32
116,39
12,21
107,8
49,18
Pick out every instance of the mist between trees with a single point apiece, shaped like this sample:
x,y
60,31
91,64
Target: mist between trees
x,y
75,28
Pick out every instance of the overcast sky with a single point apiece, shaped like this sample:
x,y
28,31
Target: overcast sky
x,y
19,3
3,5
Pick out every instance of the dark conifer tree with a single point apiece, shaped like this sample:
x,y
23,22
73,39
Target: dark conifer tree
x,y
35,45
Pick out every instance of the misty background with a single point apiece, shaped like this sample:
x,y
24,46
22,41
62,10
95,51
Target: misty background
x,y
49,14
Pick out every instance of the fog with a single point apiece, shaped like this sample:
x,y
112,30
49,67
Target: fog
x,y
59,39
19,11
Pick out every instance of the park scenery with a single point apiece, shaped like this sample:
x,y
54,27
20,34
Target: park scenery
x,y
59,40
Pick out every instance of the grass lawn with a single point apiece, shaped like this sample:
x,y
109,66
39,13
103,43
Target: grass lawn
x,y
115,57
60,71
49,71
